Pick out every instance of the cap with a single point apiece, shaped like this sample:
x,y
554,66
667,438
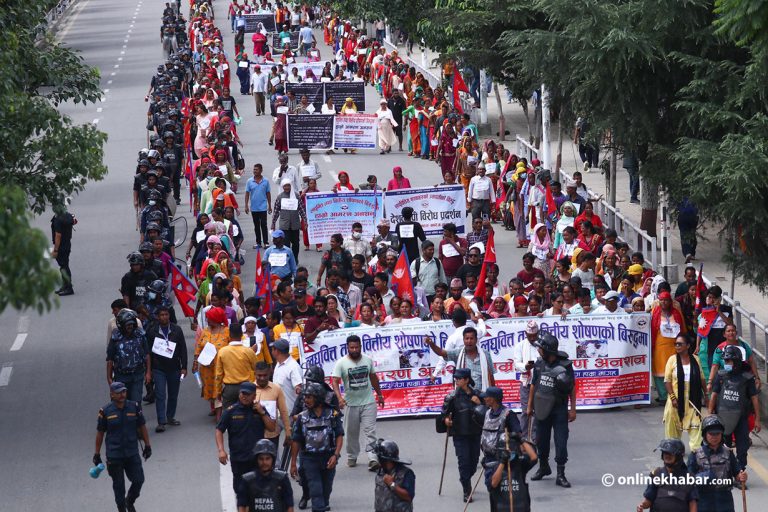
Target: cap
x,y
462,373
611,295
531,327
117,387
384,222
282,346
456,283
493,392
248,388
278,233
382,101
635,270
665,295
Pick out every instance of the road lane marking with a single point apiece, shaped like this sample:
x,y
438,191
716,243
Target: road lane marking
x,y
23,324
98,110
228,503
19,341
5,375
758,468
96,121
327,159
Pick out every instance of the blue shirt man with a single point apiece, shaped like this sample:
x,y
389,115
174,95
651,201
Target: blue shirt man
x,y
258,200
279,257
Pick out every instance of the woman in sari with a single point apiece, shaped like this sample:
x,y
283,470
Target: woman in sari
x,y
446,150
398,181
541,247
280,128
521,209
343,185
667,324
217,334
567,218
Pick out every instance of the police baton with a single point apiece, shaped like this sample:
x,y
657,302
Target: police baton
x,y
509,471
472,493
442,473
744,496
285,458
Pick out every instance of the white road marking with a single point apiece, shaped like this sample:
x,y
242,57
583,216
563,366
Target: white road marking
x,y
109,82
106,90
19,341
327,158
112,74
228,503
23,324
5,376
123,51
120,58
98,110
96,121
117,66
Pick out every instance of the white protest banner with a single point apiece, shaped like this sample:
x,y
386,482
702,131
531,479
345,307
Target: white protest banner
x,y
433,207
329,213
355,131
610,354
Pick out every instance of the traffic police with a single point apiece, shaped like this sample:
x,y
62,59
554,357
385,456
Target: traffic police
x,y
457,415
319,435
734,396
517,457
245,422
669,496
122,421
498,423
717,463
266,489
552,386
395,483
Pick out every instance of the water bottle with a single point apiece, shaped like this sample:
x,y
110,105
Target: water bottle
x,y
198,379
95,471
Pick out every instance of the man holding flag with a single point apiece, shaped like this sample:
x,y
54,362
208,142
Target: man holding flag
x,y
263,288
401,282
185,291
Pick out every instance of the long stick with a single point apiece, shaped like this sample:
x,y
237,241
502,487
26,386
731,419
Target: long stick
x,y
442,473
744,496
509,472
469,498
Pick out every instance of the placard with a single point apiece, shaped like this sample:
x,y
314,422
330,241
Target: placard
x,y
433,207
340,91
313,92
277,41
252,22
358,131
329,213
310,131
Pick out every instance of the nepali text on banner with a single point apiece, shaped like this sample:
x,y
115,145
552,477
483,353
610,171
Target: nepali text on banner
x,y
433,207
611,357
330,213
355,131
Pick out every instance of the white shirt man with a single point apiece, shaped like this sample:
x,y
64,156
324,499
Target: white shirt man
x,y
259,81
289,172
287,372
481,187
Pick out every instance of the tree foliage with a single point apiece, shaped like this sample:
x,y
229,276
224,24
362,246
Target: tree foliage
x,y
44,156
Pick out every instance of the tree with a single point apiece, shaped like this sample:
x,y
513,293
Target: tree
x,y
44,157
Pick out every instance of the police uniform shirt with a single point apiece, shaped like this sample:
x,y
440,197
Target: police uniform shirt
x,y
137,357
121,427
520,494
338,428
537,376
245,427
261,481
652,490
134,285
409,482
717,386
512,424
62,223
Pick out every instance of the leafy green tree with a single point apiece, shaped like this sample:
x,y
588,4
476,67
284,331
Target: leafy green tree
x,y
44,156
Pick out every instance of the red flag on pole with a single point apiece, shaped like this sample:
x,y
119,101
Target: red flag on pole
x,y
458,86
706,319
184,290
401,284
701,290
490,257
551,205
263,284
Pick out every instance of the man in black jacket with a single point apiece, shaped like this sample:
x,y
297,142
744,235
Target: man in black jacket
x,y
169,366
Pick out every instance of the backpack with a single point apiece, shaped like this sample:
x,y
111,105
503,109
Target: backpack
x,y
418,267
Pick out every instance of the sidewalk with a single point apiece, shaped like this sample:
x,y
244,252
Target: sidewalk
x,y
710,249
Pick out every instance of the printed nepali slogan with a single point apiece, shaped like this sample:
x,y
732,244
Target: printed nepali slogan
x,y
335,213
340,91
316,67
313,92
252,22
278,42
433,207
355,131
611,357
312,131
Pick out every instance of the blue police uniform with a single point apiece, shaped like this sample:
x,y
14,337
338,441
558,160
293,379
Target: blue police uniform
x,y
317,436
245,427
122,445
128,356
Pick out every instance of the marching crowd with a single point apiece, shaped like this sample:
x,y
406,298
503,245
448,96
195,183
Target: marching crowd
x,y
246,348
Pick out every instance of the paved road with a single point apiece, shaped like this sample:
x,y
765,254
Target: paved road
x,y
52,382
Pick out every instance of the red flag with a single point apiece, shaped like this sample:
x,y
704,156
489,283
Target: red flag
x,y
458,86
185,291
263,284
551,206
490,257
708,316
701,290
401,283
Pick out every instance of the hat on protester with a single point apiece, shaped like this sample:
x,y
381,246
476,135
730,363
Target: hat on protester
x,y
278,233
216,315
635,270
519,300
248,388
456,283
285,181
282,346
384,222
250,319
532,327
117,387
493,392
664,295
382,101
611,295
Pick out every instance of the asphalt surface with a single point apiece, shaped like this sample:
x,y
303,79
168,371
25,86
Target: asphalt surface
x,y
52,380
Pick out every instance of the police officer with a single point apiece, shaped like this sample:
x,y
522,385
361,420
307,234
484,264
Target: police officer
x,y
245,422
458,408
551,388
61,234
717,463
122,420
498,423
136,281
314,374
395,483
319,435
128,359
266,489
734,396
517,457
670,496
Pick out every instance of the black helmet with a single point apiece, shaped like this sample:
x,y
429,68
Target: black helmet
x,y
135,258
732,353
173,112
157,286
316,390
142,154
265,446
158,143
547,342
153,153
153,226
388,450
145,247
156,216
125,317
154,194
673,446
564,383
169,134
712,422
315,373
144,162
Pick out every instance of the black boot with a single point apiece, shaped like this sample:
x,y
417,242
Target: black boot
x,y
543,470
561,480
466,485
303,503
